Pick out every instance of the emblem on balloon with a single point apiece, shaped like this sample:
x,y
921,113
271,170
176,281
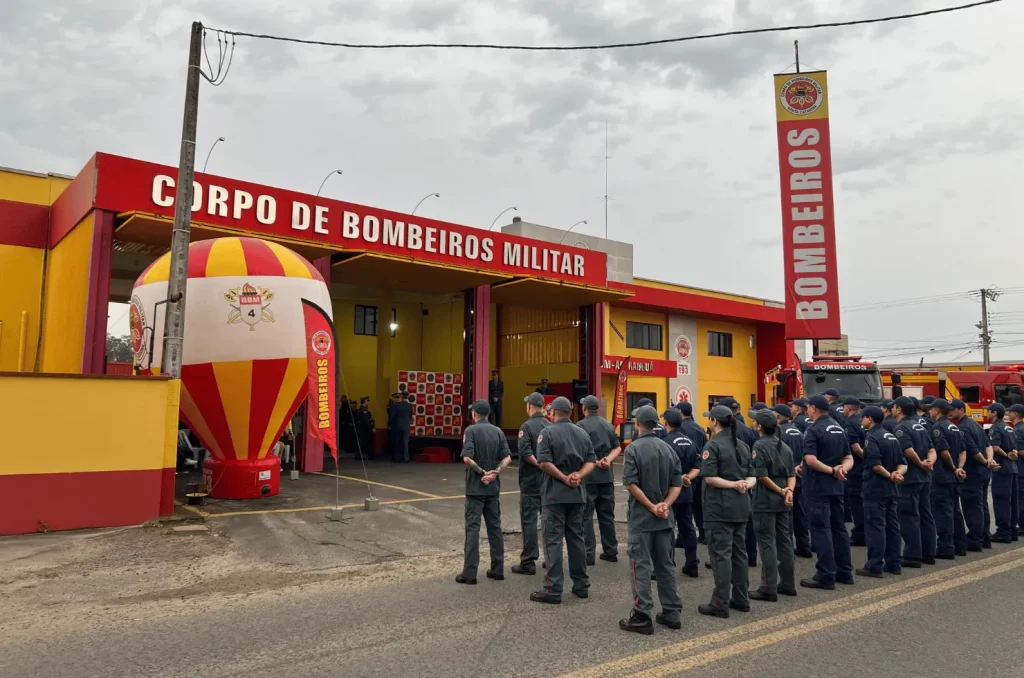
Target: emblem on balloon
x,y
252,305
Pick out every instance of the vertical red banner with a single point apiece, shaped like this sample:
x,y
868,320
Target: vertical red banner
x,y
620,414
322,358
808,215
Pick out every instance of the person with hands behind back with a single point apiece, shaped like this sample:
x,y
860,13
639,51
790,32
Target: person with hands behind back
x,y
653,477
566,456
884,466
772,504
485,453
727,470
687,453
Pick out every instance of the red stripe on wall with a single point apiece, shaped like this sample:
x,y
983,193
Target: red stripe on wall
x,y
23,224
94,348
73,204
267,376
71,501
656,299
199,257
259,258
201,383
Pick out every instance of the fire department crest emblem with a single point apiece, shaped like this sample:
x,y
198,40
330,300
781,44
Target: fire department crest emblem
x,y
801,95
249,305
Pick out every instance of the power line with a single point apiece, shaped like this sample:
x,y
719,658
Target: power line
x,y
892,303
621,45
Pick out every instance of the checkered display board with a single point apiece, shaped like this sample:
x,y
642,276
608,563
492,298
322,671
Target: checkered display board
x,y
436,402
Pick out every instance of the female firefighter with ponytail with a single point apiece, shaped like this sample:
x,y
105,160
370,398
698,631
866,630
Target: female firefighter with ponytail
x,y
772,504
728,472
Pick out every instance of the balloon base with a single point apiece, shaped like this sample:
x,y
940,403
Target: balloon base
x,y
242,478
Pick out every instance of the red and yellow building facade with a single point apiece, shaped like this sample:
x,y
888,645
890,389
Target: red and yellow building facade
x,y
461,299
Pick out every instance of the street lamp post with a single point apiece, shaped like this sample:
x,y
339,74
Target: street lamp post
x,y
428,195
569,229
514,208
210,152
329,175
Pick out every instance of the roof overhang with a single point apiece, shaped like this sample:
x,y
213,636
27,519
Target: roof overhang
x,y
409,275
540,293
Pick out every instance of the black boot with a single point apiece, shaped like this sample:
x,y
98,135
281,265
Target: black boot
x,y
637,623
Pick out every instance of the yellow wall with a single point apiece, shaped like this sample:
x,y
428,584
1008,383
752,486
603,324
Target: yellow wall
x,y
617,345
657,284
442,336
90,424
735,376
20,273
66,300
537,344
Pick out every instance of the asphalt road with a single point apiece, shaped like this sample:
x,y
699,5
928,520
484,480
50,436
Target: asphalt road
x,y
408,618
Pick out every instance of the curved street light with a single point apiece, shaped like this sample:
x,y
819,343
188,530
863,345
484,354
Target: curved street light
x,y
514,208
428,195
329,175
569,229
210,152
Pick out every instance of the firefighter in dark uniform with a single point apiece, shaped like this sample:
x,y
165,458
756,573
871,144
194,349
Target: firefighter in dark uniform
x,y
653,479
835,408
365,428
889,421
974,490
798,412
772,501
600,484
485,453
794,438
1015,414
530,477
949,445
929,535
910,435
744,433
566,456
884,466
855,435
1004,479
687,452
728,472
827,461
659,430
695,433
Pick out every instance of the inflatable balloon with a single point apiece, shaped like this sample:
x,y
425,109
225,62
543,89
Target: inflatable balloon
x,y
244,360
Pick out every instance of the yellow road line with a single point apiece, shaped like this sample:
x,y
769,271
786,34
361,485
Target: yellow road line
x,y
749,645
201,513
671,652
371,482
306,509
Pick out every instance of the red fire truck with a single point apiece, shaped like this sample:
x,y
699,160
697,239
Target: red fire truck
x,y
1002,383
848,374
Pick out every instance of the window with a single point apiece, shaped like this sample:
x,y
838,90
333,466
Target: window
x,y
970,394
633,398
715,399
644,336
366,320
1007,394
720,344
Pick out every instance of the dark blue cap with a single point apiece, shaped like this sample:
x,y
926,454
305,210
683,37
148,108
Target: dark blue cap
x,y
642,402
904,401
875,412
914,401
672,416
758,406
852,401
927,400
783,410
685,407
997,408
957,404
818,401
800,402
941,403
730,402
1017,408
887,404
831,392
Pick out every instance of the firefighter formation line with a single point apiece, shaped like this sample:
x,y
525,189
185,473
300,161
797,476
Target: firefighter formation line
x,y
913,477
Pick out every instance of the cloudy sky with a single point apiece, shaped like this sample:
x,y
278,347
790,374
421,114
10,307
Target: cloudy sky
x,y
926,118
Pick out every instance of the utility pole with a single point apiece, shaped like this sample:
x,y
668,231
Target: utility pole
x,y
174,320
986,338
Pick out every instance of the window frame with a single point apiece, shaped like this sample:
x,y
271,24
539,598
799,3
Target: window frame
x,y
360,317
720,344
647,332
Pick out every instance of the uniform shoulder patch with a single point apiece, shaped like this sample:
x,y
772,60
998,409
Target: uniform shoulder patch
x,y
540,437
899,433
706,454
936,433
522,433
753,454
